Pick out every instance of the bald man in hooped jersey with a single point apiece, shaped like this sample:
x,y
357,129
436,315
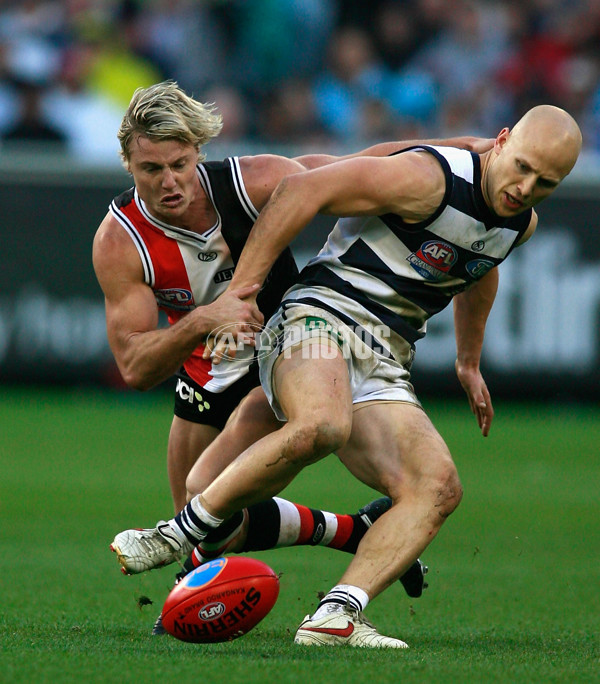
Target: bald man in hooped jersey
x,y
421,228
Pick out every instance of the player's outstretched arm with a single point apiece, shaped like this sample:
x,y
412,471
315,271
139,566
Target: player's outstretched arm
x,y
263,172
471,143
471,310
411,185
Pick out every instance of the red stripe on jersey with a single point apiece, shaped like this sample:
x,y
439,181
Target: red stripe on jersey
x,y
196,367
170,273
307,524
169,268
345,527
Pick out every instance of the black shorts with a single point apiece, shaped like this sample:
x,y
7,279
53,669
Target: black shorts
x,y
194,403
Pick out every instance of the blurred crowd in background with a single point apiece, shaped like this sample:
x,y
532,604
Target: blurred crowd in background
x,y
312,73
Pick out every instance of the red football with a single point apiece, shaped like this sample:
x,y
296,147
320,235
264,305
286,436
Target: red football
x,y
221,600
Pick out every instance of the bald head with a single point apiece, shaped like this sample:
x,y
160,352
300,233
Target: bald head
x,y
551,131
529,162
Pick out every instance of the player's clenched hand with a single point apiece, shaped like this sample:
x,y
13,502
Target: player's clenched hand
x,y
236,318
478,395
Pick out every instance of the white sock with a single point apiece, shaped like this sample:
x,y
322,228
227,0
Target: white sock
x,y
340,597
194,522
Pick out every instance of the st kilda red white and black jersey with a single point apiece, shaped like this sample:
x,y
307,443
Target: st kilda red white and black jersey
x,y
186,270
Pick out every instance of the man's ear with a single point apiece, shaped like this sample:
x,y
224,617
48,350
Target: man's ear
x,y
501,139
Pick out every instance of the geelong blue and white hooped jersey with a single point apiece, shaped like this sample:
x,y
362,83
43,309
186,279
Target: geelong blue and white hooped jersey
x,y
385,278
186,269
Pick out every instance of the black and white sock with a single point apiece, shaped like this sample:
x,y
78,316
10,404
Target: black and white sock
x,y
216,542
193,523
276,523
340,597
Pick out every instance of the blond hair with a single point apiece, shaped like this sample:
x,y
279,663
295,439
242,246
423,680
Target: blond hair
x,y
164,112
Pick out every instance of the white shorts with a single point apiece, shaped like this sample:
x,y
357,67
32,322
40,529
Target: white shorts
x,y
374,376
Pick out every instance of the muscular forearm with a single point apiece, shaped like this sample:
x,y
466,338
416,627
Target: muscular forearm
x,y
471,311
149,358
465,142
462,142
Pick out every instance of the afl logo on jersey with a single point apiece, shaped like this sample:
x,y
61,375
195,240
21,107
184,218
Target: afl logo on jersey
x,y
479,267
433,259
478,246
207,256
175,298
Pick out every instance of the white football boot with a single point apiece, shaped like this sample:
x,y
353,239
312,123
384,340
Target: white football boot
x,y
141,550
343,627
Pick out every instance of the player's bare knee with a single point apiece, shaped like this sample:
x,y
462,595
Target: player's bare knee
x,y
448,491
311,441
329,437
192,486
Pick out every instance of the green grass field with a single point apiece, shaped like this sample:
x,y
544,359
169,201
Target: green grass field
x,y
514,577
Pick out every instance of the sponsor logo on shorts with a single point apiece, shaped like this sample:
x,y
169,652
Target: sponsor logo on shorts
x,y
176,298
188,393
320,324
433,260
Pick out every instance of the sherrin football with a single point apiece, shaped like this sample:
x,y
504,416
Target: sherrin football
x,y
220,600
